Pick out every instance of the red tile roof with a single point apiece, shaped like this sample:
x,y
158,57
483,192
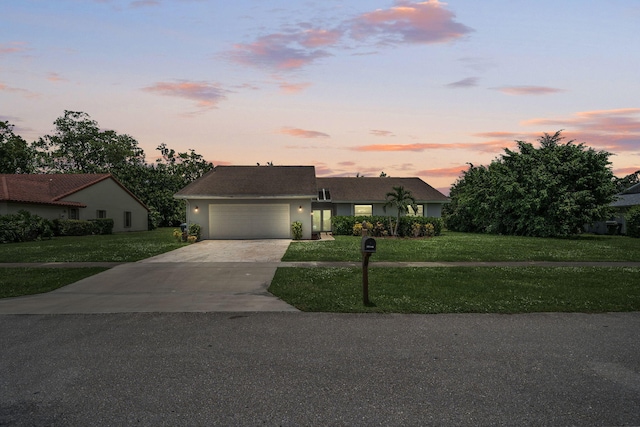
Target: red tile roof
x,y
49,189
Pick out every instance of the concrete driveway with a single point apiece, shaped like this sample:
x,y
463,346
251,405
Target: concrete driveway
x,y
209,276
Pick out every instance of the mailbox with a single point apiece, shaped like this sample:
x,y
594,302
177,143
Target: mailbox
x,y
368,245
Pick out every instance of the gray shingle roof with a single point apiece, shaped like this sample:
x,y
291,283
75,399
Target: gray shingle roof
x,y
364,189
253,181
625,200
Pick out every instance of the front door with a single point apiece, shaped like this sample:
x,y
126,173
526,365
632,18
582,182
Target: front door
x,y
321,220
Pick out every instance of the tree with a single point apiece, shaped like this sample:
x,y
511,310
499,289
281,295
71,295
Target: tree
x,y
79,146
15,154
400,199
553,190
626,182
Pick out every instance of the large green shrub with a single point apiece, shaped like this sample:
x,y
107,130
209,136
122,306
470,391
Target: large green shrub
x,y
632,218
102,225
74,227
550,191
23,227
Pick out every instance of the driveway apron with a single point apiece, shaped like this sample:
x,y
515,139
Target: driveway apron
x,y
208,276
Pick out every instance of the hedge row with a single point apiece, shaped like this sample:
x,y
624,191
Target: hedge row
x,y
77,227
382,225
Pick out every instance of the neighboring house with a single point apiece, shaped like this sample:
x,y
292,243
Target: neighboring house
x,y
253,202
624,201
73,196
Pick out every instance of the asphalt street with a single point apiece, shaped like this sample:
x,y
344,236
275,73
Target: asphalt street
x,y
314,369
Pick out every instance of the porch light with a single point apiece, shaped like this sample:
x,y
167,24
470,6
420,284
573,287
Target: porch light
x,y
196,209
300,208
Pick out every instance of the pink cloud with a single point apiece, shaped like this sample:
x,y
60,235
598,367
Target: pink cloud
x,y
302,133
527,90
453,171
55,78
291,88
206,95
12,47
613,130
316,38
423,23
280,51
383,133
24,92
419,147
622,172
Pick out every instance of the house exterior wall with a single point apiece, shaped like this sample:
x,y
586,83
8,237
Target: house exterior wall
x,y
108,196
433,210
201,216
45,211
347,209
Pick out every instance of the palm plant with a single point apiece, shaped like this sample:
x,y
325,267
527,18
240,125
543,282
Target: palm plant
x,y
400,199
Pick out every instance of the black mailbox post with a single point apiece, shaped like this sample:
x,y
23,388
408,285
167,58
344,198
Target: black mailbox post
x,y
368,247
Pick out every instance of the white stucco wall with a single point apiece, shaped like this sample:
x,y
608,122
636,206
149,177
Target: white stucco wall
x,y
108,196
201,216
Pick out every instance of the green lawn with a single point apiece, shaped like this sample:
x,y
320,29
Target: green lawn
x,y
15,282
461,289
121,247
452,246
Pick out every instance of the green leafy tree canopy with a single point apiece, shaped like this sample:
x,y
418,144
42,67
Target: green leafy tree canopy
x,y
16,156
553,190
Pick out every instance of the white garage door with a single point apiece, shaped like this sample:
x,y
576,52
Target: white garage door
x,y
249,221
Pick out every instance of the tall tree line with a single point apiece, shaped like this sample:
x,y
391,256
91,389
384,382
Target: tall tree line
x,y
78,145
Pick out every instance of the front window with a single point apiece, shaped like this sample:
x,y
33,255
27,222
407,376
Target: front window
x,y
74,214
419,212
101,214
127,219
363,210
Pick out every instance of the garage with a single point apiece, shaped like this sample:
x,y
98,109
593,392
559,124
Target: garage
x,y
249,221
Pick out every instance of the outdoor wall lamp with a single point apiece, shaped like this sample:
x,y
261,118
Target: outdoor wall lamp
x,y
300,208
196,209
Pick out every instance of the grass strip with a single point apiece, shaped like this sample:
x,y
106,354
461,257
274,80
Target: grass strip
x,y
451,246
28,281
461,289
121,247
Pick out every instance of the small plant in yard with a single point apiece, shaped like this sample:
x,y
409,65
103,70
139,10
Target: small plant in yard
x,y
192,239
195,230
379,230
357,228
416,229
296,230
429,230
177,234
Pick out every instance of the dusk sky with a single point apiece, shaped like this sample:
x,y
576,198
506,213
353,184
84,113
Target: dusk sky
x,y
360,86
